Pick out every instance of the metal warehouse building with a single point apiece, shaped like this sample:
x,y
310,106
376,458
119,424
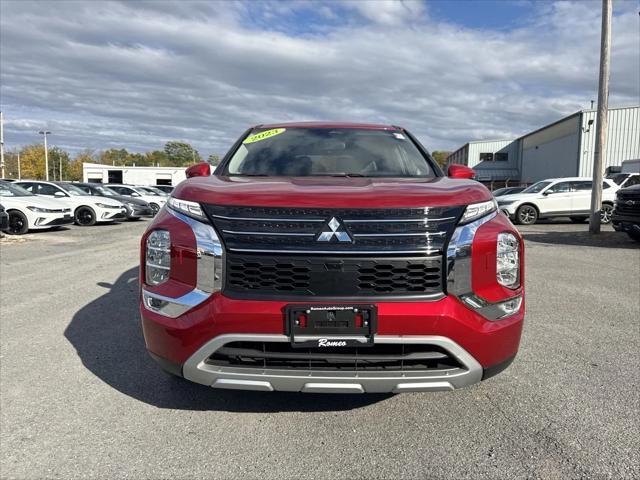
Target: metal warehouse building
x,y
562,149
98,173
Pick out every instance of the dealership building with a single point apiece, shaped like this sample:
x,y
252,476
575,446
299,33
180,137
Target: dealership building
x,y
98,173
561,149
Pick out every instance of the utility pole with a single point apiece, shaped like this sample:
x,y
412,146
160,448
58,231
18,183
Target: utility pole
x,y
19,173
46,153
2,143
601,117
60,158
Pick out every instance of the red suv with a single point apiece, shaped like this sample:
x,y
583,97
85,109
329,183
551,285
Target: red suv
x,y
326,257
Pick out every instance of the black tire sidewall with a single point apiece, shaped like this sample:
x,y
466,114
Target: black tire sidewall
x,y
520,209
25,228
80,210
155,208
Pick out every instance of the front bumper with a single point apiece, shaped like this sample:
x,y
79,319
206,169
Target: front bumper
x,y
111,214
625,223
4,221
139,211
48,220
182,345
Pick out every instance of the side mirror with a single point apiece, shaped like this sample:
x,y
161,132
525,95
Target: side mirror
x,y
59,194
547,192
202,169
460,171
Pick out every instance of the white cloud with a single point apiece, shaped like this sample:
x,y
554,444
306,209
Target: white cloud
x,y
138,74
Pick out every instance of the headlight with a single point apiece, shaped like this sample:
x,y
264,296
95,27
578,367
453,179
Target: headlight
x,y
158,257
508,260
104,205
477,210
40,210
132,205
188,208
505,202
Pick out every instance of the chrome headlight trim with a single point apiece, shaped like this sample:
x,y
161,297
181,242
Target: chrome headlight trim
x,y
210,264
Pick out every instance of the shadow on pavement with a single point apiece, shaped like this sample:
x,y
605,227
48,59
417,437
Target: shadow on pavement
x,y
606,239
107,335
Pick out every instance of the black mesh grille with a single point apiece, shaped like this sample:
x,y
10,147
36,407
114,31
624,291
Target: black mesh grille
x,y
380,357
264,275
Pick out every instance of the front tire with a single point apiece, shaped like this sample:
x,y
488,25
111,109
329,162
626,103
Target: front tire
x,y
155,208
85,217
526,215
18,223
605,213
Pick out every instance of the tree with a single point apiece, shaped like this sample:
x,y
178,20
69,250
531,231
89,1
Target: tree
x,y
181,154
32,161
113,156
58,164
214,160
156,158
75,167
440,157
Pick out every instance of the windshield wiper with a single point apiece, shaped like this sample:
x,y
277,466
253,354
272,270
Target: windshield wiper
x,y
344,174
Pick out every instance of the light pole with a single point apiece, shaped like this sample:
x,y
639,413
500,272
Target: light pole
x,y
46,153
2,143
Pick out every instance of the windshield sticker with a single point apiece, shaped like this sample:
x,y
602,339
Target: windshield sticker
x,y
263,135
399,136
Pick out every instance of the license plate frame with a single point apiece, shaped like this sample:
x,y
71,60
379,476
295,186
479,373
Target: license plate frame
x,y
331,325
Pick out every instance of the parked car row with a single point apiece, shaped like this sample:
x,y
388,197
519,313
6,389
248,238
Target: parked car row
x,y
37,205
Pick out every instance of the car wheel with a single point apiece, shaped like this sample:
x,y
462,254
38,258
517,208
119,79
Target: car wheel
x,y
577,219
526,215
605,213
85,217
634,233
18,223
133,219
155,208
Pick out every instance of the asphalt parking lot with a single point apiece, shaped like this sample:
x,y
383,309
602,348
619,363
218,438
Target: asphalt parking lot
x,y
81,398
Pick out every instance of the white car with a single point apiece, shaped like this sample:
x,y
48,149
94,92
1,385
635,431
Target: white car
x,y
152,190
87,209
557,197
155,201
29,212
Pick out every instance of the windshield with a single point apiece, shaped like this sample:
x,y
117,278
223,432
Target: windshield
x,y
8,190
148,190
73,190
104,191
536,187
619,178
305,152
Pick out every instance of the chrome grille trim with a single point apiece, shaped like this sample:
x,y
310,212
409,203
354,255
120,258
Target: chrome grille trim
x,y
403,220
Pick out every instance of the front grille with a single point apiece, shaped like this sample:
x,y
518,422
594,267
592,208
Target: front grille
x,y
370,231
279,252
378,357
256,276
624,208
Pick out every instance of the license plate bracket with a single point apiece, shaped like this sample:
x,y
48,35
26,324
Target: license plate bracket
x,y
331,325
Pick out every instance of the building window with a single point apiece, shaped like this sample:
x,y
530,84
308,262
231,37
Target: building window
x,y
486,157
501,157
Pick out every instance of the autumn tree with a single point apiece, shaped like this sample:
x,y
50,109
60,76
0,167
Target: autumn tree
x,y
113,156
156,158
440,157
75,167
181,154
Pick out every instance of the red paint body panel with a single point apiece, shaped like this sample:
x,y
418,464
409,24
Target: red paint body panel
x,y
489,342
176,339
331,192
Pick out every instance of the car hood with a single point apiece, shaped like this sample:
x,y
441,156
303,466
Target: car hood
x,y
123,199
327,192
33,201
514,197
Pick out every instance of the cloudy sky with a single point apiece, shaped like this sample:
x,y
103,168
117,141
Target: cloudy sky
x,y
137,74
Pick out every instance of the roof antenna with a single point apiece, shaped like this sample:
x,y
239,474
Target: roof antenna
x,y
591,104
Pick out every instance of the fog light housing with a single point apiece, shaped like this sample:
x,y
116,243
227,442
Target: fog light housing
x,y
158,257
508,260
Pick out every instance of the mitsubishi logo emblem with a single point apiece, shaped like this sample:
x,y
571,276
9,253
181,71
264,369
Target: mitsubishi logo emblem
x,y
629,202
334,229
